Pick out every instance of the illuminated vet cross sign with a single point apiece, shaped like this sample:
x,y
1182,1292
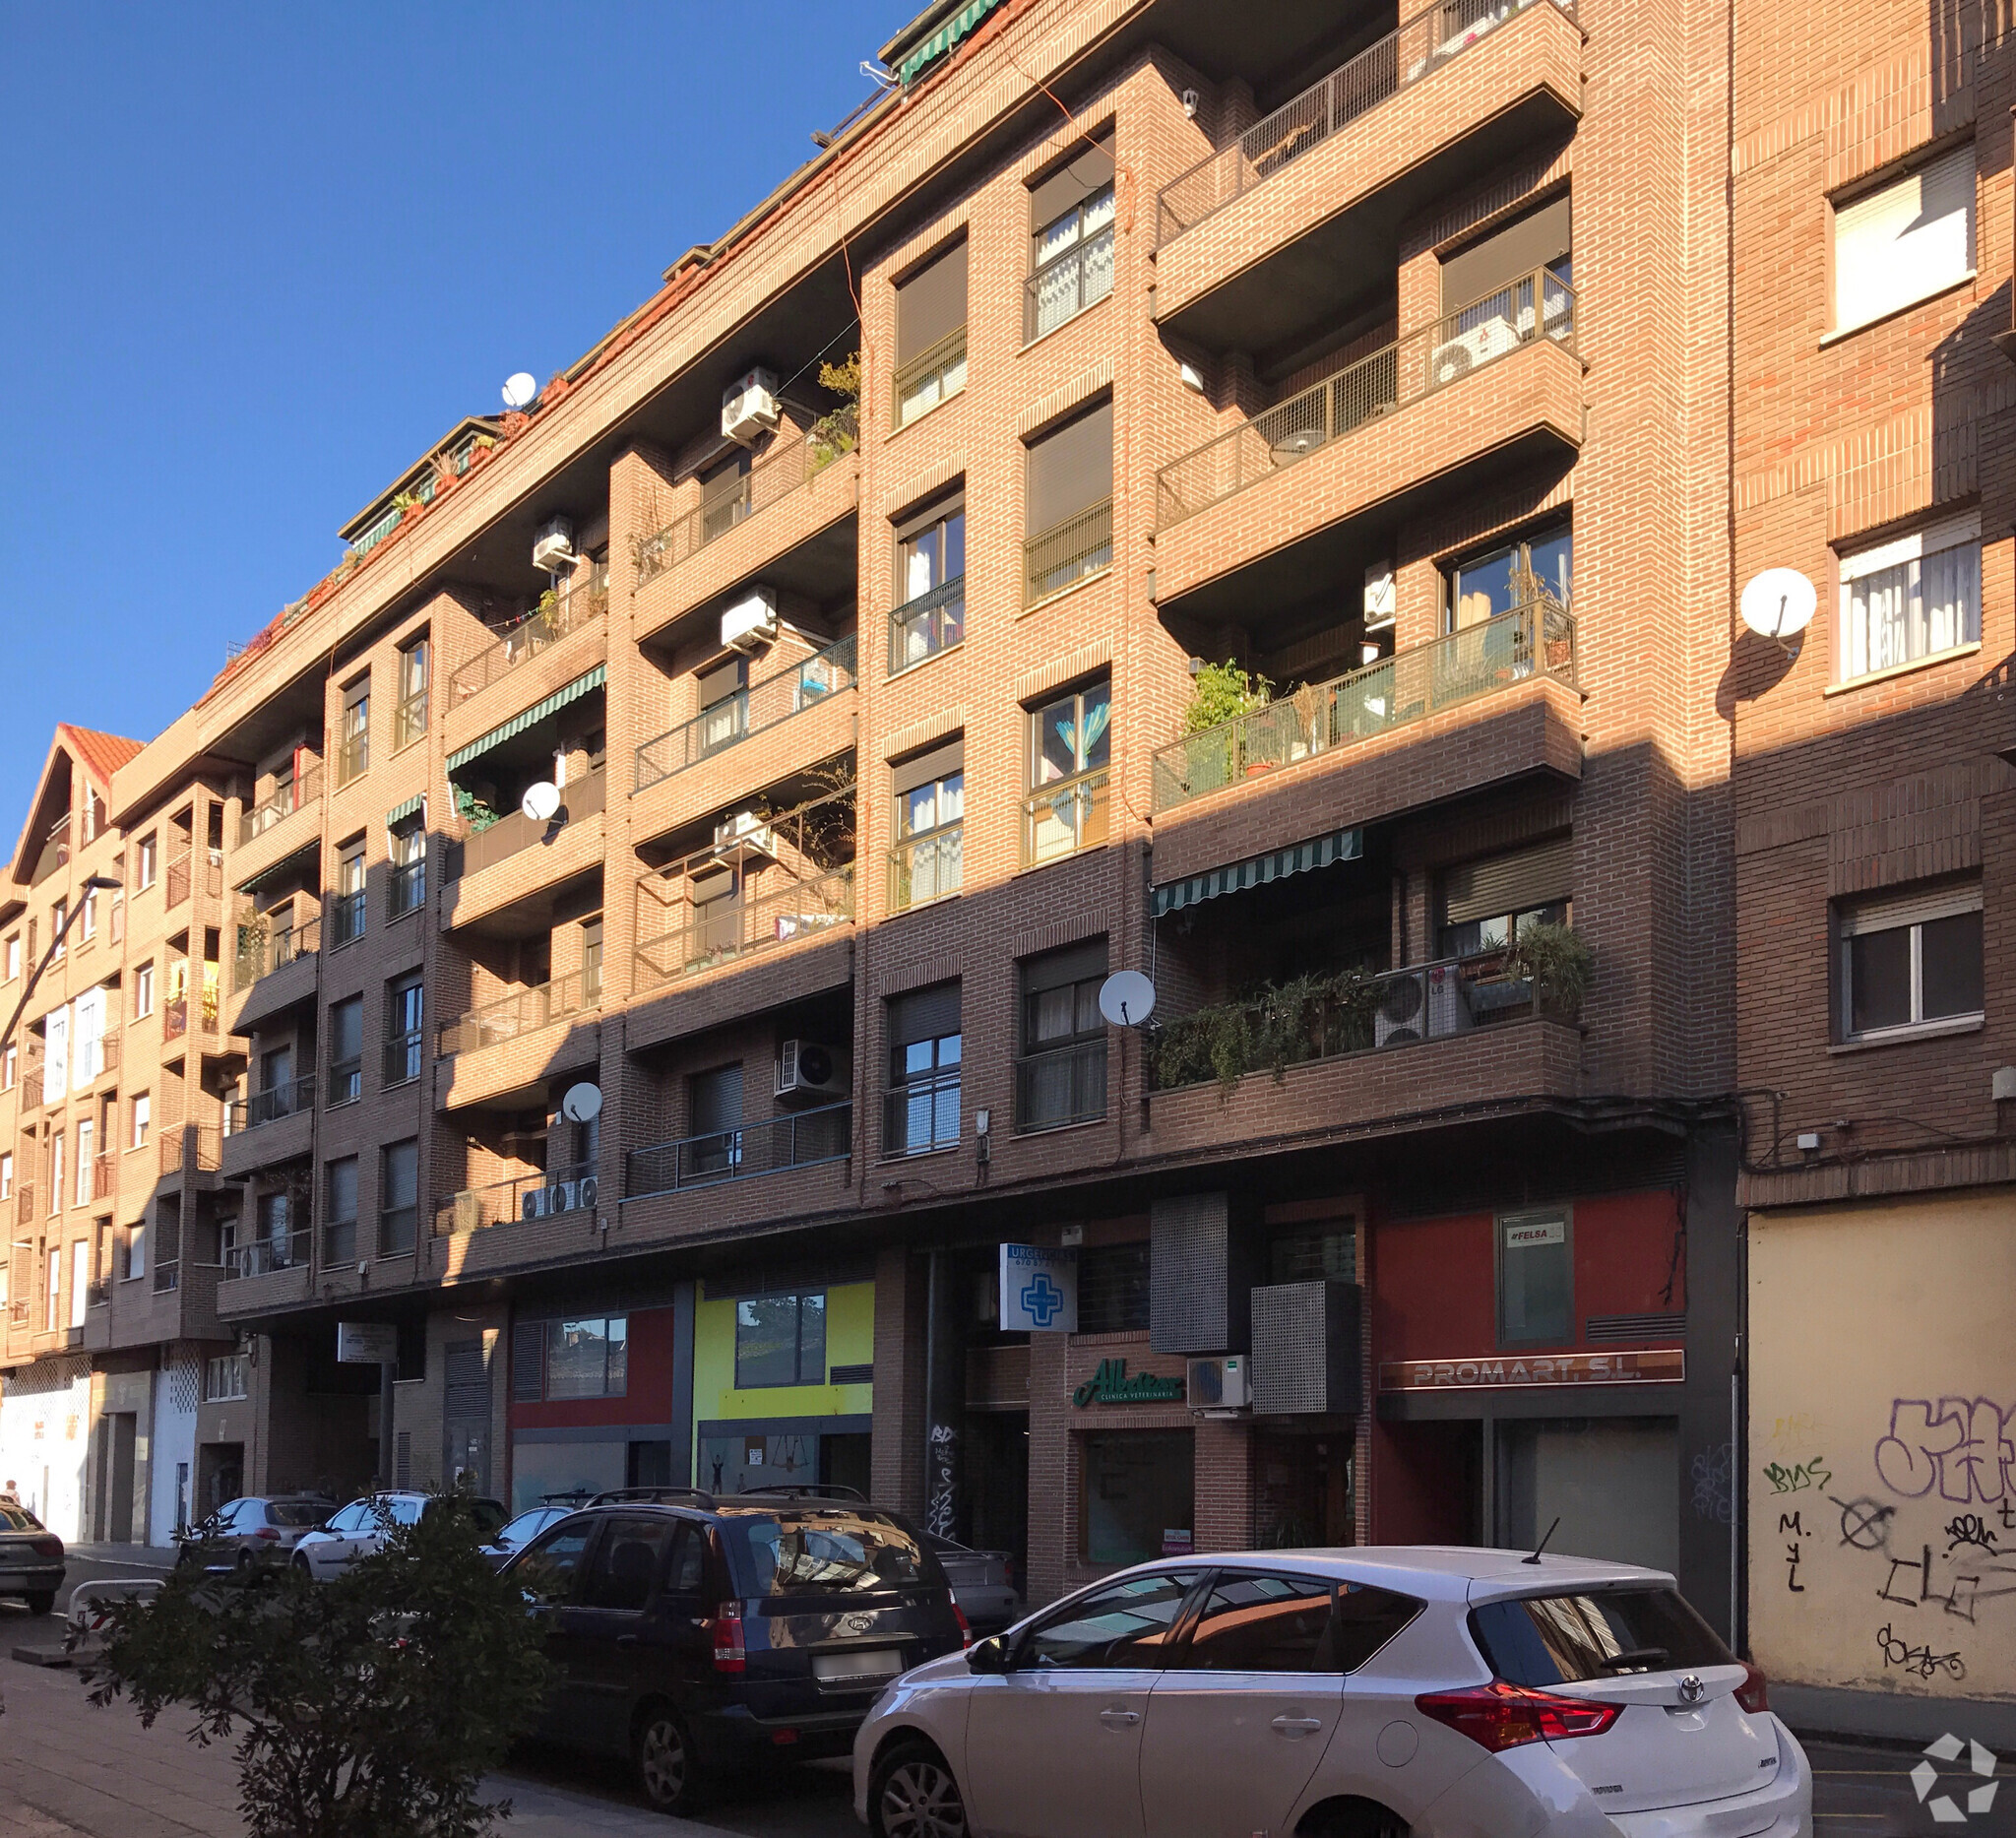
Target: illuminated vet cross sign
x,y
1039,1290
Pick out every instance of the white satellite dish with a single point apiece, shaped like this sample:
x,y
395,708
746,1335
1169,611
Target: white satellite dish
x,y
542,802
1126,999
1779,604
521,389
583,1104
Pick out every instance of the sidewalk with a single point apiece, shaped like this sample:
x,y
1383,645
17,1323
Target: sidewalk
x,y
142,1560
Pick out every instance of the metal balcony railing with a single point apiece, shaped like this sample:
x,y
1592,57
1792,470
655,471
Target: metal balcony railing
x,y
538,631
407,890
193,1148
292,1099
178,880
1067,554
926,867
1068,815
794,461
524,1011
281,803
1533,640
921,1115
1064,287
1062,1086
923,627
261,953
409,721
346,1080
763,704
734,928
568,1188
55,853
104,1177
1420,47
1426,359
290,1251
167,1276
795,1139
405,1054
928,378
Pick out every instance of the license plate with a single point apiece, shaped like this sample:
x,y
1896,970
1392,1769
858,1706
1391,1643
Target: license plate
x,y
882,1663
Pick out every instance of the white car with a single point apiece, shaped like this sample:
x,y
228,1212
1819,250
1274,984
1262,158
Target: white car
x,y
1380,1692
363,1526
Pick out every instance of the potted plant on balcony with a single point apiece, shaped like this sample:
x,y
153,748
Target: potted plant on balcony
x,y
837,431
1221,693
1312,720
1557,963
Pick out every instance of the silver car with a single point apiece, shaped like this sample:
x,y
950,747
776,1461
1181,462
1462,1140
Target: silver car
x,y
243,1534
31,1562
983,1583
1379,1692
363,1526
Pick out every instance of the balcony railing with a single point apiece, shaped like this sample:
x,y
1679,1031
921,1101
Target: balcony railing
x,y
763,704
280,805
287,1251
921,1115
406,891
178,880
926,867
923,627
261,953
193,1148
1064,817
538,631
409,721
1067,554
24,1203
352,757
795,1139
346,1080
167,1276
524,1011
1065,1085
1422,45
1063,288
104,1177
1426,359
791,463
734,928
503,1203
580,798
55,853
928,378
343,917
192,1009
292,1099
98,1293
1533,640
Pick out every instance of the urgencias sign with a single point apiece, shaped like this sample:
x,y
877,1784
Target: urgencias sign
x,y
1112,1386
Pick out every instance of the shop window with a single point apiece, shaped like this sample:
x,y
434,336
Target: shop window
x,y
781,1340
1536,1278
1906,239
1139,1495
920,1111
1910,600
1485,904
1910,961
1061,1077
587,1357
1112,1288
1127,1624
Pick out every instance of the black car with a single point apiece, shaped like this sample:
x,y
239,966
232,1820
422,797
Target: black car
x,y
32,1563
695,1634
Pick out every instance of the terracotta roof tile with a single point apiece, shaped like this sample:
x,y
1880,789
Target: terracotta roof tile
x,y
102,754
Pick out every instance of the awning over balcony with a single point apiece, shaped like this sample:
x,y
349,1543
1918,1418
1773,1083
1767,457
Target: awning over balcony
x,y
1256,870
518,723
399,813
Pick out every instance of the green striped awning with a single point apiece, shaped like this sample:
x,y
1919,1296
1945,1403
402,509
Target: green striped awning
x,y
944,40
538,712
399,813
1318,852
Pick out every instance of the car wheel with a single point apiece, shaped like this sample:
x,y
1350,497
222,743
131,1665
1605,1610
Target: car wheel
x,y
912,1795
302,1567
244,1562
662,1757
1353,1818
40,1601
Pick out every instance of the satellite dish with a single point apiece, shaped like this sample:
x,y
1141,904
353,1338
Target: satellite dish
x,y
542,802
1779,604
521,389
1126,999
583,1104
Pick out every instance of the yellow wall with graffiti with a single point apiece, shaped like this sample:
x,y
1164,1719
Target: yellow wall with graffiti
x,y
1882,1446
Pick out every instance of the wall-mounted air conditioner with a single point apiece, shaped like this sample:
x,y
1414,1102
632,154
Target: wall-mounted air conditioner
x,y
752,622
1220,1383
745,830
532,1203
808,1069
563,1196
748,406
1398,1015
553,548
587,1191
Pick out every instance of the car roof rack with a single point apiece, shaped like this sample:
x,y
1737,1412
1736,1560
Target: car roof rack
x,y
803,1489
574,1496
655,1496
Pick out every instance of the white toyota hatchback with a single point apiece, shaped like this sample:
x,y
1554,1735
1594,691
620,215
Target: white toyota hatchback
x,y
1378,1693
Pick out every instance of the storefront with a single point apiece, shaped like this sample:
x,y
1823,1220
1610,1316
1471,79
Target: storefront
x,y
594,1400
44,1436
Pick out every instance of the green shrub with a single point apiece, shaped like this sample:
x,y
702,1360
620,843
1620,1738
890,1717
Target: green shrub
x,y
1557,962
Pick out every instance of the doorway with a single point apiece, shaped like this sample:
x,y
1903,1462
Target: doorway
x,y
1304,1487
117,1433
997,1483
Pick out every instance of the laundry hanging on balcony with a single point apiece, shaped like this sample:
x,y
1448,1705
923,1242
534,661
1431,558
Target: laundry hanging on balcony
x,y
1256,870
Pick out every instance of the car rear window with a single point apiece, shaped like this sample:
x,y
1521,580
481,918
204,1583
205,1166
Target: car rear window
x,y
823,1551
1566,1639
15,1519
294,1512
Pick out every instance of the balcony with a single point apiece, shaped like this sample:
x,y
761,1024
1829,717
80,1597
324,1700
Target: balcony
x,y
522,1012
511,1045
528,1201
285,821
792,1165
763,704
296,1098
54,855
191,1149
1489,392
104,1177
1065,818
272,970
569,846
194,1011
926,867
269,1127
1070,553
290,1250
1298,219
534,636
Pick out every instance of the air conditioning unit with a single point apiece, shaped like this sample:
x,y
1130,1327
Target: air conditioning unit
x,y
1219,1384
1396,1017
1448,1009
745,829
587,1191
807,1069
554,549
752,622
563,1196
465,1213
748,406
532,1203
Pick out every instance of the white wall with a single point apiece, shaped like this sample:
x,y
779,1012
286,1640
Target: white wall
x,y
175,1396
45,1432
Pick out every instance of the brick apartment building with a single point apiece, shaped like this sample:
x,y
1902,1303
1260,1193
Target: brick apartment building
x,y
782,769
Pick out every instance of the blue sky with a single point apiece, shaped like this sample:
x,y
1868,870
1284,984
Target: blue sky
x,y
260,257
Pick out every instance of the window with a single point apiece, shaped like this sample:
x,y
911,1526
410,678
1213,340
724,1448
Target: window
x,y
930,584
276,1235
588,1358
1068,504
86,1173
1324,1251
1258,1621
346,1051
1910,961
724,699
1112,1288
1910,599
354,753
12,956
1536,1278
1485,904
714,1106
226,1378
52,1300
143,1110
1071,230
339,1211
1069,744
10,1067
930,334
59,915
926,863
591,959
725,496
781,1340
402,1031
88,919
408,889
1137,1496
1514,575
1127,1625
147,862
1904,240
399,1196
410,714
346,910
921,1109
136,1251
57,1165
6,1175
1061,1076
142,990
551,1569
626,1563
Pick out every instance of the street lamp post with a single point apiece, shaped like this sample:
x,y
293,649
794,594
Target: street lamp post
x,y
92,884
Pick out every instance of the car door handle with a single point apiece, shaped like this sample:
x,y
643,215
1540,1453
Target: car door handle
x,y
1119,1719
1298,1726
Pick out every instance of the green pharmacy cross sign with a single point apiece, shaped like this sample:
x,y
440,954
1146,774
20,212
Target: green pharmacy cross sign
x,y
1112,1386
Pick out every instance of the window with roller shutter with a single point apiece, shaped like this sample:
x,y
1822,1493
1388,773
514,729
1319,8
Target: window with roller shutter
x,y
931,333
1906,239
1484,903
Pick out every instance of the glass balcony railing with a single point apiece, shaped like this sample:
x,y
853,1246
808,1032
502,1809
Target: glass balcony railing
x,y
763,704
796,1139
1062,818
525,1011
284,1250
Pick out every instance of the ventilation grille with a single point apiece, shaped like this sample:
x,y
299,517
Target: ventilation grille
x,y
861,1374
1188,1278
527,1341
403,1459
1611,1328
183,1388
466,1379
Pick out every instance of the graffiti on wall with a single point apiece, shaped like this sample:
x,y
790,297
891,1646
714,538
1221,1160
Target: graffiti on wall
x,y
941,1489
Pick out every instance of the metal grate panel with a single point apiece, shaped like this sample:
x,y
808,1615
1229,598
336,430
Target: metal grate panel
x,y
1290,1370
528,1373
467,1380
1611,1328
1189,1277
